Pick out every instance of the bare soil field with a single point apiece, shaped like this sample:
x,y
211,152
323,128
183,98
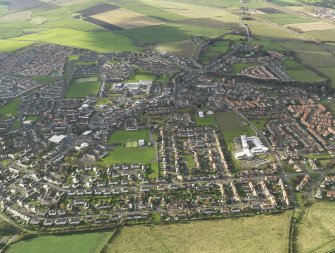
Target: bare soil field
x,y
16,16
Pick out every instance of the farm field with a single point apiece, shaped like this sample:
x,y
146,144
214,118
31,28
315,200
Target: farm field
x,y
126,19
315,26
7,46
123,136
83,87
234,235
10,109
316,229
300,73
100,41
83,243
284,18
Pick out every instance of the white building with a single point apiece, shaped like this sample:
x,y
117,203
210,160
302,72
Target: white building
x,y
251,146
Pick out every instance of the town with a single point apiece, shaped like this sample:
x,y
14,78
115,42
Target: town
x,y
94,140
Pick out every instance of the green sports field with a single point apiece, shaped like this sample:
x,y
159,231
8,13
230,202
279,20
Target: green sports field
x,y
10,109
123,136
83,243
83,87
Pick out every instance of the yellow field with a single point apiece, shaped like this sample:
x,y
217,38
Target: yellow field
x,y
127,19
315,26
16,16
262,233
316,231
194,10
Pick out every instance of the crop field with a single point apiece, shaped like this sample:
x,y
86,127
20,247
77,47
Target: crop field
x,y
16,16
268,44
83,87
156,34
323,35
123,136
10,109
192,10
316,230
215,50
150,10
247,234
315,26
100,41
284,18
83,243
127,19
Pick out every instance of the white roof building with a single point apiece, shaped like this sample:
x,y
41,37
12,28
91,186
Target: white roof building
x,y
247,152
57,138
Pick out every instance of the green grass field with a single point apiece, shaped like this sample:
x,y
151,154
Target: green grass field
x,y
10,109
259,123
7,46
250,234
284,18
316,230
230,127
329,104
141,75
83,87
120,154
300,73
215,50
83,243
208,120
100,41
184,48
123,136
